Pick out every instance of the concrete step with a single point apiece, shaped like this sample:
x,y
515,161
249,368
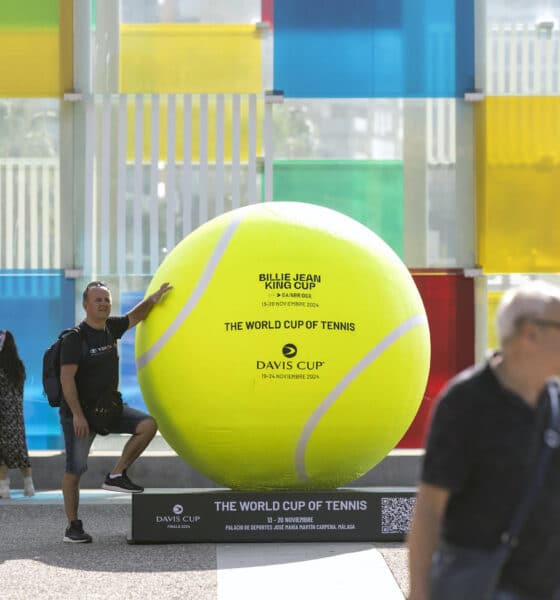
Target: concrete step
x,y
160,466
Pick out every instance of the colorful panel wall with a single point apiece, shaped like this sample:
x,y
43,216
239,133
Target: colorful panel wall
x,y
185,58
388,48
369,191
449,301
36,42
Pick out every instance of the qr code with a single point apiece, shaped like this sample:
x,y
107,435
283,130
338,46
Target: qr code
x,y
396,514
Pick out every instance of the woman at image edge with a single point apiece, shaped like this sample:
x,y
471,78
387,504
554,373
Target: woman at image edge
x,y
13,447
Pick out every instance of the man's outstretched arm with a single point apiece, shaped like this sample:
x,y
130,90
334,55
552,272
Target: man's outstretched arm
x,y
142,309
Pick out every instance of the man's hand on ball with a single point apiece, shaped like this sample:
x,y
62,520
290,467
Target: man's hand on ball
x,y
157,296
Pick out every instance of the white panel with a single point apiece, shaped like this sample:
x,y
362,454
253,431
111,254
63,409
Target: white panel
x,y
10,259
137,204
187,164
525,60
170,172
104,232
452,128
21,217
57,232
219,154
47,235
33,216
121,188
235,151
154,179
537,87
252,154
548,65
489,86
500,60
555,67
440,130
431,156
203,170
513,65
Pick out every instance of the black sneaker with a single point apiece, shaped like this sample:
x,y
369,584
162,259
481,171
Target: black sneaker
x,y
121,484
76,534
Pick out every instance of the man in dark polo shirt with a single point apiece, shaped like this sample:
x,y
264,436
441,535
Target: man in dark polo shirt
x,y
90,367
485,435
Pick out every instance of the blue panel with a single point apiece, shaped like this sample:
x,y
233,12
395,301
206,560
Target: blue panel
x,y
35,306
128,380
373,48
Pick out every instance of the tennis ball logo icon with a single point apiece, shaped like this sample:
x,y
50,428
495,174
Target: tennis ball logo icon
x,y
292,353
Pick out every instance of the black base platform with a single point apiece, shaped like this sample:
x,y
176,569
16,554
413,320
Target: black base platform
x,y
215,515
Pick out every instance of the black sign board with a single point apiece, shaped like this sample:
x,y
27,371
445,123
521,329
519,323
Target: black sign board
x,y
345,515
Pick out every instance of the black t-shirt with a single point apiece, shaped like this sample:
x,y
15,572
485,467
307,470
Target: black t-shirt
x,y
98,371
482,445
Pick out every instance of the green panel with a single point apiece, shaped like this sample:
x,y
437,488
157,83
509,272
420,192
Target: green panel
x,y
369,191
29,13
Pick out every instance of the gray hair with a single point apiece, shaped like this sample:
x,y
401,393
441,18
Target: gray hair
x,y
530,300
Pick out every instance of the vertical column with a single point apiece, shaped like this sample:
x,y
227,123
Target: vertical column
x,y
236,151
106,59
104,233
170,172
268,141
203,160
138,200
219,202
465,183
252,151
480,318
187,164
121,185
76,141
415,209
154,180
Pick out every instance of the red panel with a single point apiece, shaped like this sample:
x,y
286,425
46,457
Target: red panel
x,y
267,12
449,301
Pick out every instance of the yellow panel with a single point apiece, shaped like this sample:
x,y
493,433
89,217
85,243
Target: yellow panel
x,y
186,58
493,303
29,62
518,178
195,129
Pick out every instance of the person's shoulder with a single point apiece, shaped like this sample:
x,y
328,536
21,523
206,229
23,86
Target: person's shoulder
x,y
73,335
470,377
463,389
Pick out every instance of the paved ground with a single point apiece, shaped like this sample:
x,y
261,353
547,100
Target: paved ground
x,y
34,563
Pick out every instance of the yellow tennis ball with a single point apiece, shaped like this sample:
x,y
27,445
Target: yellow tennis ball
x,y
292,352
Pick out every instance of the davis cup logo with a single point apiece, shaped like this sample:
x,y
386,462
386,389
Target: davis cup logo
x,y
289,350
178,509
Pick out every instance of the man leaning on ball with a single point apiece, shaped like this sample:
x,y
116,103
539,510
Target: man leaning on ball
x,y
89,368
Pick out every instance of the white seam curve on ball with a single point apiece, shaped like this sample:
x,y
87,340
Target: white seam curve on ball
x,y
356,370
200,288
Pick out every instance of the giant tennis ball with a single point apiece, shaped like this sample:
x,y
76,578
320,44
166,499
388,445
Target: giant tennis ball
x,y
292,352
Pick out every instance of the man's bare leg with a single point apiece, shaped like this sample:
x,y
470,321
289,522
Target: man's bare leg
x,y
138,442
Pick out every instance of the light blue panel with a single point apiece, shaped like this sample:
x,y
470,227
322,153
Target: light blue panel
x,y
35,306
128,381
373,48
